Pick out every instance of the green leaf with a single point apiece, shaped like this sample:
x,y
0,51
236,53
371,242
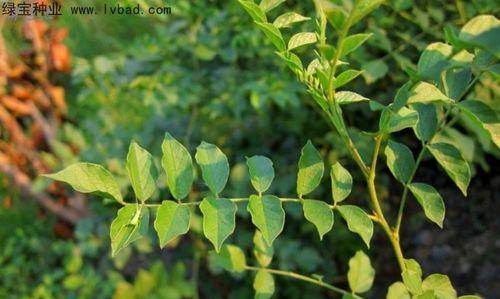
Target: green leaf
x,y
311,169
361,273
357,221
267,5
429,294
345,77
123,231
273,34
230,258
349,97
441,286
434,60
320,214
430,200
178,165
267,215
214,166
263,252
352,42
289,18
89,178
482,31
453,163
261,172
363,8
391,121
455,81
263,285
301,39
398,290
412,276
140,171
253,10
336,16
172,220
424,92
470,297
484,116
218,219
341,181
427,121
292,61
374,70
400,161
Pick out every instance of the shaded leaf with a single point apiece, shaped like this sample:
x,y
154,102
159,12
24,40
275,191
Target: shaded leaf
x,y
263,252
427,121
320,214
172,220
341,181
391,121
178,166
357,221
433,60
374,70
361,273
483,115
311,169
261,172
430,200
89,178
482,31
399,160
267,215
352,42
218,219
230,258
453,163
214,166
263,285
273,34
141,172
129,225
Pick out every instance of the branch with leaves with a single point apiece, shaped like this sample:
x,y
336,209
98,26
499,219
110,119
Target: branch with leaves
x,y
436,89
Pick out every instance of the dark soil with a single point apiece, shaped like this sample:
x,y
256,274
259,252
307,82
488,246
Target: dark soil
x,y
467,248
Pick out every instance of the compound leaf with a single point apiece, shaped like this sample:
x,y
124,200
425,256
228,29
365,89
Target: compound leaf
x,y
214,166
267,215
357,221
320,214
89,178
172,220
361,273
178,166
218,219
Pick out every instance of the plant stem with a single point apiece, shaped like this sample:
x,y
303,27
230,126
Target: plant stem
x,y
304,278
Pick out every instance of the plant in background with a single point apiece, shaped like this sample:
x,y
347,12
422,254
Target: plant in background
x,y
436,95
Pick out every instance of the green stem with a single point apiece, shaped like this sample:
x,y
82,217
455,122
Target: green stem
x,y
304,278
